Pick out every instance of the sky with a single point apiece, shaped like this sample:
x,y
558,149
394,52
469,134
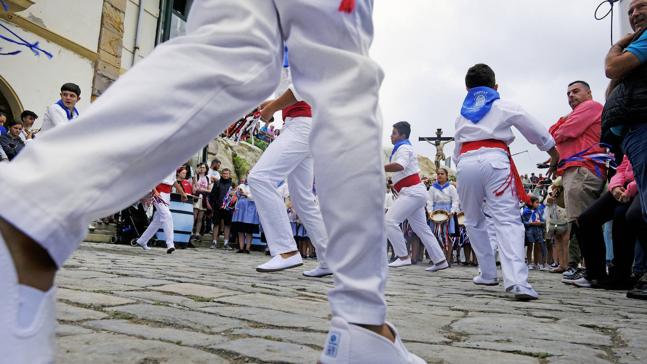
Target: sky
x,y
535,48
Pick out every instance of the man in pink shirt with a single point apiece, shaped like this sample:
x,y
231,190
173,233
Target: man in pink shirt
x,y
579,132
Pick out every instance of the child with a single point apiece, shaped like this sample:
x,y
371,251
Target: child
x,y
557,226
534,222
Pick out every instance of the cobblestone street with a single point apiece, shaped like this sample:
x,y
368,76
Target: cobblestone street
x,y
119,304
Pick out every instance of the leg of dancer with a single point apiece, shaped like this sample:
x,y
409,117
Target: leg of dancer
x,y
289,157
228,62
411,202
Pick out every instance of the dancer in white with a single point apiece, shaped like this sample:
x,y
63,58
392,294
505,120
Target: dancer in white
x,y
411,201
288,157
161,196
228,62
487,173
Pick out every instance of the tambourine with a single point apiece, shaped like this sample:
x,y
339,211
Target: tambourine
x,y
439,216
460,217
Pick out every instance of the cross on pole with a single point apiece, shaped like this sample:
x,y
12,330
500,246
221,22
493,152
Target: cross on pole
x,y
439,141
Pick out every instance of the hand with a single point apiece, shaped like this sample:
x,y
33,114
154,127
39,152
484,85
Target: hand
x,y
618,193
625,198
625,40
552,171
184,197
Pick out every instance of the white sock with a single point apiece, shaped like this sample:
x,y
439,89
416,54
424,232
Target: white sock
x,y
30,299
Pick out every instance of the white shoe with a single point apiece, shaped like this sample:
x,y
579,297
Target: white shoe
x,y
400,262
352,344
480,281
214,245
522,293
438,266
143,245
278,263
35,343
318,272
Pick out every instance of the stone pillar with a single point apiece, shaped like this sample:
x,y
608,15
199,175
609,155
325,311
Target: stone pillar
x,y
108,66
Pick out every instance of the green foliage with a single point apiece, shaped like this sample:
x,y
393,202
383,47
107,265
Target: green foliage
x,y
241,166
260,144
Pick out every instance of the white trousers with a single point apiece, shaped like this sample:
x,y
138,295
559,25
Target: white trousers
x,y
288,156
410,205
479,174
162,218
227,64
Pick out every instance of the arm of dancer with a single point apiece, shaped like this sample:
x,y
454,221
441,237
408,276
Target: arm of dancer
x,y
283,101
537,134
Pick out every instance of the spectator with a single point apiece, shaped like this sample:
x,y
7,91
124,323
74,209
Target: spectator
x,y
11,142
214,175
625,112
557,226
201,189
533,220
533,179
245,220
3,120
583,179
64,110
221,215
180,175
28,119
620,205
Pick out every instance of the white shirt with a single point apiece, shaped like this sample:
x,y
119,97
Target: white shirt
x,y
55,116
447,195
406,157
498,123
213,173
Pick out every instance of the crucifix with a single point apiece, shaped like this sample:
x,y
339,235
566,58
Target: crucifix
x,y
439,141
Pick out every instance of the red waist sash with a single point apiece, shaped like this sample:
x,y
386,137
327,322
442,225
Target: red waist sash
x,y
514,174
162,188
407,181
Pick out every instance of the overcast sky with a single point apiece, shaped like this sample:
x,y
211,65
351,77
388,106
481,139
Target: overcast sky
x,y
535,48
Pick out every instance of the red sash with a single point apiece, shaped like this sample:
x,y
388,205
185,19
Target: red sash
x,y
299,109
514,174
162,188
347,6
407,181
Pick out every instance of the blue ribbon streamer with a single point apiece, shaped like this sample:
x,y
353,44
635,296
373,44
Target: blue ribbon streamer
x,y
34,47
5,6
597,158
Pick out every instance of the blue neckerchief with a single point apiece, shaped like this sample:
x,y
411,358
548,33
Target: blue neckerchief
x,y
397,145
478,103
70,115
440,187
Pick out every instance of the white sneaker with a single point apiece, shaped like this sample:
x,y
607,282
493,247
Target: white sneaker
x,y
318,272
278,263
35,343
352,344
522,293
143,245
480,281
400,262
438,266
214,245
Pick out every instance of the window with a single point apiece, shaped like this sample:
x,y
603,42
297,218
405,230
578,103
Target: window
x,y
173,20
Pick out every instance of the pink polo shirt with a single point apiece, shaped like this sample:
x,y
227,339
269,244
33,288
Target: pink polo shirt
x,y
578,131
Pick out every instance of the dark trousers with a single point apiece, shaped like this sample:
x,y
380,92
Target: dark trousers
x,y
635,147
624,234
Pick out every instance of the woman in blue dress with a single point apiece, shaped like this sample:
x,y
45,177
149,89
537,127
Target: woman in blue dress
x,y
245,219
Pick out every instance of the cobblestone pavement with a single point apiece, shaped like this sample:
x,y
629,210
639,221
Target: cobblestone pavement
x,y
119,304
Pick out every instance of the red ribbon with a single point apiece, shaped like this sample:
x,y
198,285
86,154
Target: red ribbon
x,y
347,6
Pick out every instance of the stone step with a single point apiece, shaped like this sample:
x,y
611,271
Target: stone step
x,y
98,238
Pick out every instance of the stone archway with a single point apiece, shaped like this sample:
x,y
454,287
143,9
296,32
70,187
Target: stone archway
x,y
9,101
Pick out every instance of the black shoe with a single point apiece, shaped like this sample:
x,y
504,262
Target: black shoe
x,y
246,251
613,284
240,251
640,289
267,252
170,250
190,245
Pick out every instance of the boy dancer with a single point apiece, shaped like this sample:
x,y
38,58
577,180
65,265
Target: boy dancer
x,y
64,110
486,172
162,217
411,202
228,62
288,156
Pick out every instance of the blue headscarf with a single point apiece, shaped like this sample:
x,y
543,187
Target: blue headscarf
x,y
397,145
478,103
440,187
68,113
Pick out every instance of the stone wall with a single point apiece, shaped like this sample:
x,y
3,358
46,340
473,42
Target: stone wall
x,y
108,65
